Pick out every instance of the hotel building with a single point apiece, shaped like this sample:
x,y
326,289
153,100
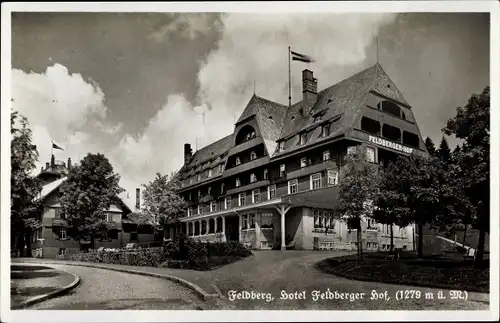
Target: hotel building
x,y
273,182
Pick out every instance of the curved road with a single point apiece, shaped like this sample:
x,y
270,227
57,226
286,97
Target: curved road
x,y
101,289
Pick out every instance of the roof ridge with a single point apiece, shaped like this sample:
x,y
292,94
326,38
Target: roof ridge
x,y
270,101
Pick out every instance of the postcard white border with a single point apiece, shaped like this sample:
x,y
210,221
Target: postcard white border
x,y
266,316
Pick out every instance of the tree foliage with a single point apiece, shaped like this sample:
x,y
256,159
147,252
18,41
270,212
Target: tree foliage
x,y
23,186
444,151
358,183
88,192
431,148
472,125
161,200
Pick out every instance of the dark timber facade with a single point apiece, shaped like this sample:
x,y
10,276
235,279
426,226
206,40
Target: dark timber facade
x,y
273,182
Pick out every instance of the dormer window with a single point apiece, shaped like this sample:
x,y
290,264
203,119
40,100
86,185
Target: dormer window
x,y
265,174
198,178
238,183
303,162
281,146
282,170
326,155
238,161
210,173
199,193
325,130
220,168
222,188
253,155
303,138
209,190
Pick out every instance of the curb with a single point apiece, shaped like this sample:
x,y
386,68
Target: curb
x,y
197,289
44,297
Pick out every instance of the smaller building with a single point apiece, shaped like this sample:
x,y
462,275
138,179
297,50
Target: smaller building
x,y
125,223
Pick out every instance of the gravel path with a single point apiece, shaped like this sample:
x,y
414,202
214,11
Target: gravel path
x,y
109,290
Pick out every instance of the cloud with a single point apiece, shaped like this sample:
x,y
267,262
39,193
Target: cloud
x,y
186,25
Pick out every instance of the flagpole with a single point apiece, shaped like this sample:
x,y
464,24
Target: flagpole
x,y
289,80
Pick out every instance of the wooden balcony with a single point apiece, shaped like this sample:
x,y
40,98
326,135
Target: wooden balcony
x,y
312,169
248,187
245,145
246,166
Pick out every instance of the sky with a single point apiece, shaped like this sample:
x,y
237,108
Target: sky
x,y
135,86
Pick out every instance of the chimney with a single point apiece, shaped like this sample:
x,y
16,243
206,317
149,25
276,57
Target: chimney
x,y
138,198
309,86
41,170
52,161
69,162
188,153
47,166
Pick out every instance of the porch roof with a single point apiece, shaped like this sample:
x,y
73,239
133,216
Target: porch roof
x,y
234,210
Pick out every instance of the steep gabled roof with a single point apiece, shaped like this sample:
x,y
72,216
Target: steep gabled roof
x,y
342,102
50,187
211,151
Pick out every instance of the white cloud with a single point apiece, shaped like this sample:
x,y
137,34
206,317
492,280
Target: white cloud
x,y
186,25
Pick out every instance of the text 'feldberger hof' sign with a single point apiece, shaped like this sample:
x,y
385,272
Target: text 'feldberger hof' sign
x,y
389,144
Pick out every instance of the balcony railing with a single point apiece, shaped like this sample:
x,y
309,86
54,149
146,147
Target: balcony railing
x,y
248,187
312,169
246,166
245,145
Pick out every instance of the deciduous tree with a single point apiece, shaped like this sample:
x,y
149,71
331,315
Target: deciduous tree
x,y
358,183
472,125
88,192
161,200
23,186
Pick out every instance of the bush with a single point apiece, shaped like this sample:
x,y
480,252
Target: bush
x,y
145,257
201,255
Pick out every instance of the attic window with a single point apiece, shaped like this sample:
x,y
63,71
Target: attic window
x,y
293,117
329,101
271,117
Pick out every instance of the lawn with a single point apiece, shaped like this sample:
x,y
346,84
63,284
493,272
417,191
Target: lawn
x,y
434,271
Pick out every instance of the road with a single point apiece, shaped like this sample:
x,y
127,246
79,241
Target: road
x,y
110,290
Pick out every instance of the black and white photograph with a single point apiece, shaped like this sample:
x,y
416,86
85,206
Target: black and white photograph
x,y
238,159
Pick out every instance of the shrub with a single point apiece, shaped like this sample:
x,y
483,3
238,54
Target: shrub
x,y
145,257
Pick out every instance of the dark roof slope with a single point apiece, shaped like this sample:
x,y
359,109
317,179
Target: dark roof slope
x,y
211,151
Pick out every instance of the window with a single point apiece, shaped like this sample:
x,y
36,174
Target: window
x,y
220,168
190,180
199,209
266,221
227,202
333,177
190,211
282,170
325,130
210,173
293,186
199,194
251,220
62,234
238,183
209,190
222,188
241,199
203,227
271,192
256,195
202,208
109,217
189,197
244,222
326,155
370,154
198,177
253,155
315,181
303,138
213,206
253,178
238,161
351,150
303,162
281,146
265,174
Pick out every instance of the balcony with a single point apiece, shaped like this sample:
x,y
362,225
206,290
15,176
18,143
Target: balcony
x,y
245,145
312,169
248,187
206,198
246,166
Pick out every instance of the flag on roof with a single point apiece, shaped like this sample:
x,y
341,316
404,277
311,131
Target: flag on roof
x,y
301,57
54,146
